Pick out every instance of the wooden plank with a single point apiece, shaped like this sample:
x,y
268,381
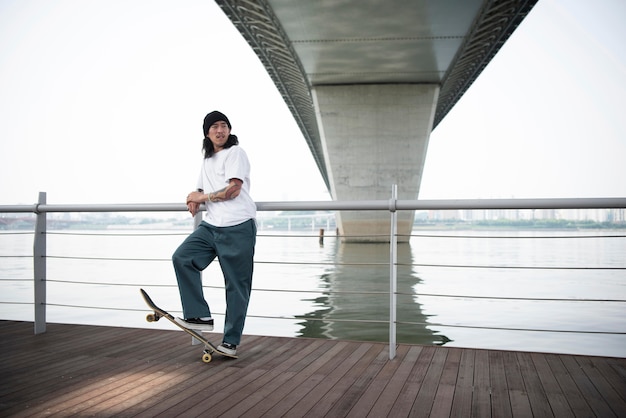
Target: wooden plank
x,y
324,394
500,399
536,394
117,371
303,371
351,390
263,352
343,383
587,388
35,352
613,372
18,341
171,381
422,405
247,397
414,382
612,397
67,390
520,404
198,385
127,380
369,397
395,384
308,391
574,397
236,380
464,389
115,397
442,404
556,398
481,397
17,386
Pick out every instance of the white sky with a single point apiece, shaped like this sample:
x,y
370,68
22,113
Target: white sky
x,y
102,101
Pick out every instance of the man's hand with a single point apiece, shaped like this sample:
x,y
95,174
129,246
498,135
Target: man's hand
x,y
197,197
193,208
194,199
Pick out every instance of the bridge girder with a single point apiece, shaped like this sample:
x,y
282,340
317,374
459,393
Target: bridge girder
x,y
303,44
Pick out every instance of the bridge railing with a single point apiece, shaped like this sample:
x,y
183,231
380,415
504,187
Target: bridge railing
x,y
41,209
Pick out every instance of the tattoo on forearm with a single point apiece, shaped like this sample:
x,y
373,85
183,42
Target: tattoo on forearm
x,y
227,193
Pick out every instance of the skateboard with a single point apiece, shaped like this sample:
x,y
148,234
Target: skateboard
x,y
209,349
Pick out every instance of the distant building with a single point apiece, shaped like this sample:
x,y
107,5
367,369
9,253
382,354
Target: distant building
x,y
595,215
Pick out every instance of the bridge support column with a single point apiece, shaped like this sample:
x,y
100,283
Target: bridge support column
x,y
374,136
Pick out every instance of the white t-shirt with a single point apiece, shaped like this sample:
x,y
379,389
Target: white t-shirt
x,y
215,174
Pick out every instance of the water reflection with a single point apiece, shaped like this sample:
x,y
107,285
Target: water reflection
x,y
360,267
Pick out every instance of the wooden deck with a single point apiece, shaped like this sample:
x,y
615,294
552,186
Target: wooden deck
x,y
77,370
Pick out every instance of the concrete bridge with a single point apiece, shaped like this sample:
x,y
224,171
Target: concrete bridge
x,y
368,80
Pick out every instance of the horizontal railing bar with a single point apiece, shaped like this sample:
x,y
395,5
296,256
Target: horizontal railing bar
x,y
118,207
115,233
390,205
552,203
513,236
18,208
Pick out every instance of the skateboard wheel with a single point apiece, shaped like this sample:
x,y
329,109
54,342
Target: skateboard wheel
x,y
151,318
206,357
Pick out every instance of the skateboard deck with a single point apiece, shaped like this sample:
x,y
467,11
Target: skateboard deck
x,y
209,349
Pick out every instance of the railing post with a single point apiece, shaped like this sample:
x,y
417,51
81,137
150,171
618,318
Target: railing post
x,y
39,266
393,271
197,220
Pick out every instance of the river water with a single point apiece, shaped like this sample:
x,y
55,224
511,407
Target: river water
x,y
481,289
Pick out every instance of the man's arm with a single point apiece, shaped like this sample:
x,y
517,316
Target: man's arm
x,y
227,193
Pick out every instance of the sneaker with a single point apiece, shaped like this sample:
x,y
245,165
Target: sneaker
x,y
199,324
226,348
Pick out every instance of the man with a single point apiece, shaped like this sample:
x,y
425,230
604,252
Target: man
x,y
228,232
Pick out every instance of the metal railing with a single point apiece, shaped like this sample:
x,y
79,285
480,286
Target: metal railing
x,y
41,209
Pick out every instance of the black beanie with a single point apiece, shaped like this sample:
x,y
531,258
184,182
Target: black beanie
x,y
213,117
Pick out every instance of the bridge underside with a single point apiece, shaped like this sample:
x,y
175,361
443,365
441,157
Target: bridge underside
x,y
367,84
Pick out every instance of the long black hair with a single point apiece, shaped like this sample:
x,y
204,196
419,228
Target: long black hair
x,y
209,150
